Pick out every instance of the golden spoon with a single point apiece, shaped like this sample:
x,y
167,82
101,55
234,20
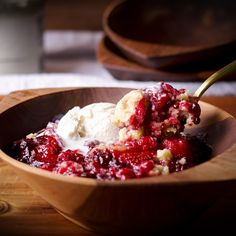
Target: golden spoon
x,y
214,77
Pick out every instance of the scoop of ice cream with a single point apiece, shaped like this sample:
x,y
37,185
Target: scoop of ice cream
x,y
92,122
97,122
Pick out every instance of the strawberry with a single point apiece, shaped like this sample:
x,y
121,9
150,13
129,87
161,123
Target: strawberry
x,y
179,146
146,143
135,158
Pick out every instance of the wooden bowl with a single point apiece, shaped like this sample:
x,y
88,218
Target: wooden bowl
x,y
150,204
164,34
122,68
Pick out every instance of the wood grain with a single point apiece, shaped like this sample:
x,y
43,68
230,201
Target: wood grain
x,y
23,212
144,32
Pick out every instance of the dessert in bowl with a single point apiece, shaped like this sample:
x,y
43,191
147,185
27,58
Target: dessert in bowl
x,y
114,205
142,135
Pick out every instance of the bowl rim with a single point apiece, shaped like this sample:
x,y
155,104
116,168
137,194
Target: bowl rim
x,y
171,49
173,178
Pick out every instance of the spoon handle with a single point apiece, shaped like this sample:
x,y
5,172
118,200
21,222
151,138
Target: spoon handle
x,y
214,77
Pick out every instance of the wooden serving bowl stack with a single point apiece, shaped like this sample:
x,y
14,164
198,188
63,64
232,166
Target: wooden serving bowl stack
x,y
200,198
166,40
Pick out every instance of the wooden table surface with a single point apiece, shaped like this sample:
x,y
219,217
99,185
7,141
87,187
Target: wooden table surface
x,y
23,212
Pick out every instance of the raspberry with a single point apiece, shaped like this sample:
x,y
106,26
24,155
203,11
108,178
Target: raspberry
x,y
70,155
46,149
125,173
107,174
40,149
100,157
136,120
144,168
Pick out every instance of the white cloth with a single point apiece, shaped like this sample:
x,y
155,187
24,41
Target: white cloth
x,y
9,83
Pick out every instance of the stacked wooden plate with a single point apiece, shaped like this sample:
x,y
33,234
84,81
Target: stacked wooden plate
x,y
166,40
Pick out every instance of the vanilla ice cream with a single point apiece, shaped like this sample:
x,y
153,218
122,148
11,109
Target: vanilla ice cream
x,y
92,122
